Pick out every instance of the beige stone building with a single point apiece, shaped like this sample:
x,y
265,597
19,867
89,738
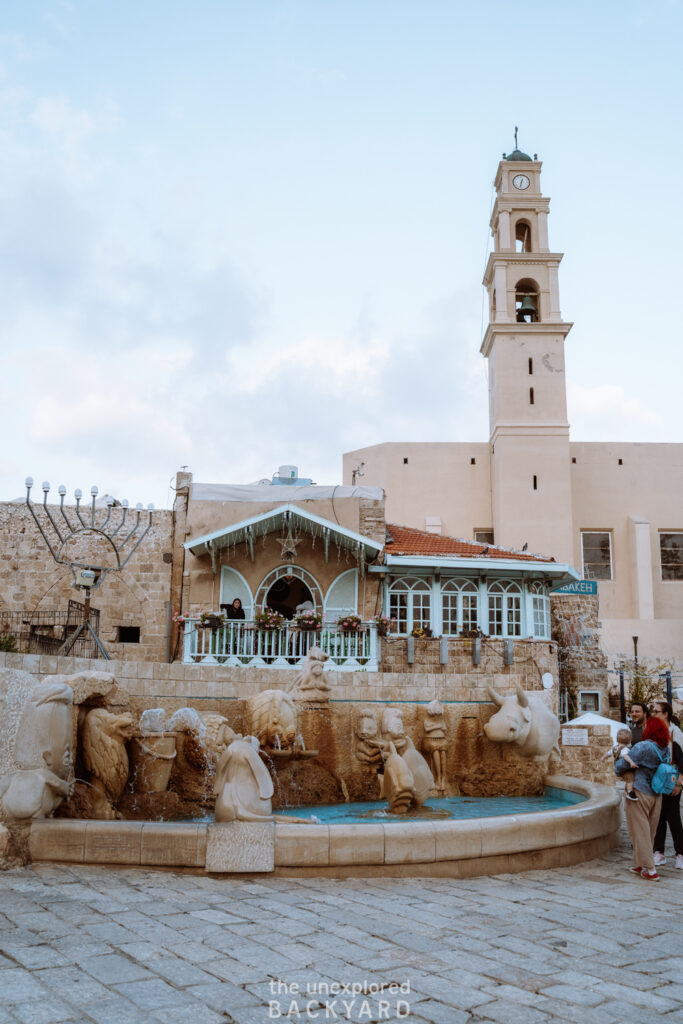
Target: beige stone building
x,y
614,511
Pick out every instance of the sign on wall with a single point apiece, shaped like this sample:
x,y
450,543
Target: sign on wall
x,y
575,737
578,587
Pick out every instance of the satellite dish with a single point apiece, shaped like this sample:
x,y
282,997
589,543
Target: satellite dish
x,y
547,680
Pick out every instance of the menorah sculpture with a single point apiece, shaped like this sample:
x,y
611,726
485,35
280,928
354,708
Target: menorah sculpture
x,y
122,534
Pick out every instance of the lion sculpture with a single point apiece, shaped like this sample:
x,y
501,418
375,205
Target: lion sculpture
x,y
104,737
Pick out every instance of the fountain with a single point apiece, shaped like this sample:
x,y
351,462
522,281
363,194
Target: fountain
x,y
300,781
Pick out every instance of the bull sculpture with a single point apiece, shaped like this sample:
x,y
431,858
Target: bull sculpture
x,y
524,721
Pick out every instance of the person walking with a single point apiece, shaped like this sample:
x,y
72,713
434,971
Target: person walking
x,y
670,813
642,815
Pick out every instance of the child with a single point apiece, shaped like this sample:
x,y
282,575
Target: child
x,y
621,749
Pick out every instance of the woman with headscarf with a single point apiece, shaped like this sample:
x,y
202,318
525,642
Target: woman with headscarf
x,y
670,813
642,815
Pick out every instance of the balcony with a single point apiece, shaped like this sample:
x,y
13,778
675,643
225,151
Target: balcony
x,y
241,643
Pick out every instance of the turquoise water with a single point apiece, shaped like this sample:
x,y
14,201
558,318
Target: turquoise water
x,y
452,807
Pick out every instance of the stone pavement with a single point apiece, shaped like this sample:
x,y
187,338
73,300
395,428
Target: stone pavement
x,y
591,944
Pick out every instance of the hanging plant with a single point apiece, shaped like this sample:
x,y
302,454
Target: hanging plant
x,y
308,620
269,619
212,620
350,623
384,624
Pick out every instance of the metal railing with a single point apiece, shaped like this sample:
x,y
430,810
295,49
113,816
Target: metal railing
x,y
45,632
242,643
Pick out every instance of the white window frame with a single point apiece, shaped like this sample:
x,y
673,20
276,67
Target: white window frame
x,y
538,611
458,589
510,593
669,533
604,579
410,587
591,693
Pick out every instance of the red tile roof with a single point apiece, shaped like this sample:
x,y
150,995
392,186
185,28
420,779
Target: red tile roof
x,y
404,540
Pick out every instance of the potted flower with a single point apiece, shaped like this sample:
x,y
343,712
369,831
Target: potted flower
x,y
350,623
179,619
421,632
211,620
308,619
384,624
268,619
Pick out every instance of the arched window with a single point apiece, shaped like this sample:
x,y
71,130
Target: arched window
x,y
233,584
505,608
540,607
523,236
286,587
527,302
459,606
410,603
342,596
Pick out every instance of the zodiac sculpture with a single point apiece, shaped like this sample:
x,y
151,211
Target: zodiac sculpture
x,y
407,780
434,741
104,737
368,748
393,729
243,786
524,721
310,682
273,719
43,754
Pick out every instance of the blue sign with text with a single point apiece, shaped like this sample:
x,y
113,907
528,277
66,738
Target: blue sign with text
x,y
578,587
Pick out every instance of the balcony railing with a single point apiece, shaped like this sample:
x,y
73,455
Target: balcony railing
x,y
241,643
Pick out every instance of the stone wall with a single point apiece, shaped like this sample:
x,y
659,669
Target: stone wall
x,y
31,581
157,680
586,762
583,663
531,659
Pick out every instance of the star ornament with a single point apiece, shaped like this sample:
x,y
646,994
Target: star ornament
x,y
288,546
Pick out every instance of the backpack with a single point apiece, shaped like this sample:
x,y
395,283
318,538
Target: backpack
x,y
665,777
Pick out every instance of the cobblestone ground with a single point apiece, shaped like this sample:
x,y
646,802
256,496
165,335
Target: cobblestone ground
x,y
590,944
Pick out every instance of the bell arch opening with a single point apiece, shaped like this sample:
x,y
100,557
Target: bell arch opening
x,y
523,236
527,305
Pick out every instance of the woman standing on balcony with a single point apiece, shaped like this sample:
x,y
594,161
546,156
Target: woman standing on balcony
x,y
234,610
670,813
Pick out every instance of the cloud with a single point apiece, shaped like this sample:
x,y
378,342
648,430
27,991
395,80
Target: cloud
x,y
607,413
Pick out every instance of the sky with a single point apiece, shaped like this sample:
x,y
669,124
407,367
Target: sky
x,y
247,233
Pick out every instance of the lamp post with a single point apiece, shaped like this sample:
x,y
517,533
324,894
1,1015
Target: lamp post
x,y
123,534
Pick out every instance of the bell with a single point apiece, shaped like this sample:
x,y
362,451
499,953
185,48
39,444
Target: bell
x,y
527,308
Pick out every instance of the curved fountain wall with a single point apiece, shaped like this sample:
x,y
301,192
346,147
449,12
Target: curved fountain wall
x,y
454,849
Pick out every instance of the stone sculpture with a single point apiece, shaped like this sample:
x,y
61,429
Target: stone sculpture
x,y
273,719
524,721
34,793
368,747
42,753
393,729
423,780
243,786
398,784
434,741
217,736
310,682
104,737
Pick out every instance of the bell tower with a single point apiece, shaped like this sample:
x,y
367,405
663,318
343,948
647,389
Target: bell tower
x,y
524,345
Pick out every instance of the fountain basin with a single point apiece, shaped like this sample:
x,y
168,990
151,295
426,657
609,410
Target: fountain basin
x,y
457,808
456,848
